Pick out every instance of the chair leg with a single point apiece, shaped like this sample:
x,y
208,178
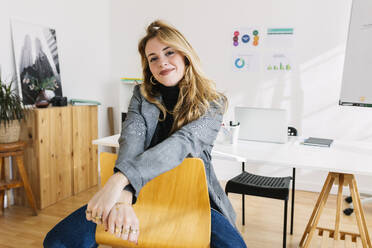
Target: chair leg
x,y
2,195
2,192
293,197
26,184
285,224
243,209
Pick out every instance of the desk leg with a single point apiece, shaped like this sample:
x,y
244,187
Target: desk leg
x,y
344,179
359,213
321,200
317,212
243,199
339,205
293,197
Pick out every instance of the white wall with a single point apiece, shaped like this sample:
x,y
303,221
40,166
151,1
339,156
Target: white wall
x,y
310,93
83,37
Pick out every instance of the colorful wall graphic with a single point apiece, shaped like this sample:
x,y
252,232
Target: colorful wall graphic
x,y
246,62
279,38
246,37
278,62
272,46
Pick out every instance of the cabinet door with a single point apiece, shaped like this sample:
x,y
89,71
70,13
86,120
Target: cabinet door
x,y
85,154
54,151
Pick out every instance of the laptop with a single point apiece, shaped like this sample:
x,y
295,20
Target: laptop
x,y
262,124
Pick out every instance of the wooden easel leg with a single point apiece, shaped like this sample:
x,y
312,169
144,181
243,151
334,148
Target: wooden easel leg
x,y
362,213
26,184
359,213
310,222
339,206
314,219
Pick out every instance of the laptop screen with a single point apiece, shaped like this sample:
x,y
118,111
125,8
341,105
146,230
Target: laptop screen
x,y
262,124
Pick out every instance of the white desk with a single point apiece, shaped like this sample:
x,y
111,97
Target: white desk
x,y
342,160
110,141
342,156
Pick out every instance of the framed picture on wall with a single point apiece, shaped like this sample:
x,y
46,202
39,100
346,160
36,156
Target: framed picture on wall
x,y
36,58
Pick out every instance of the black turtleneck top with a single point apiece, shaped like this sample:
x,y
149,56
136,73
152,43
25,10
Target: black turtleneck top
x,y
163,128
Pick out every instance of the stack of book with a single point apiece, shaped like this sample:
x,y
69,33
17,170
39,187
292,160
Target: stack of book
x,y
311,141
83,102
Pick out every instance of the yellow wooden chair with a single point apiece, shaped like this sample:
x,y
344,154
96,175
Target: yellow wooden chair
x,y
173,209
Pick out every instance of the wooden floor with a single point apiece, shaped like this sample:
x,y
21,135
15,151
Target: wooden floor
x,y
264,220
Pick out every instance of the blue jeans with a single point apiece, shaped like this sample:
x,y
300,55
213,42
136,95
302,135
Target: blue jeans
x,y
76,232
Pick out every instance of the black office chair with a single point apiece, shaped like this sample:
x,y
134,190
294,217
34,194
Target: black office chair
x,y
270,187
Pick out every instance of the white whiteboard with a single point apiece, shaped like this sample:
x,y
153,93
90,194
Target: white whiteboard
x,y
357,76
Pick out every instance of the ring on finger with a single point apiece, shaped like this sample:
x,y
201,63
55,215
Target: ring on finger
x,y
126,231
118,230
133,230
97,218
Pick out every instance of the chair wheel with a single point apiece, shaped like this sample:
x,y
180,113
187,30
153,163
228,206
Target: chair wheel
x,y
349,199
348,211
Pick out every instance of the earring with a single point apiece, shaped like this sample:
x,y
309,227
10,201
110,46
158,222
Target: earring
x,y
151,80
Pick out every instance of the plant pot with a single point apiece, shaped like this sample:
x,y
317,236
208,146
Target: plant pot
x,y
42,100
10,133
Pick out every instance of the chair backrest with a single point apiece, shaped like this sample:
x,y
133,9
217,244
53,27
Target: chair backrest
x,y
173,208
107,164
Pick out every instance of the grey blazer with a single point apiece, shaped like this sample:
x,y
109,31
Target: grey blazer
x,y
195,139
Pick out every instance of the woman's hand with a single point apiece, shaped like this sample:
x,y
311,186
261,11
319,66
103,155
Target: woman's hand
x,y
123,222
103,201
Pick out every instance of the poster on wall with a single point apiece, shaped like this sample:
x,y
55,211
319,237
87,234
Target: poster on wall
x,y
279,38
36,58
271,45
246,62
278,62
246,38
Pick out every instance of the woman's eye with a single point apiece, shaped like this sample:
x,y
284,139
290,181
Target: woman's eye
x,y
169,53
153,59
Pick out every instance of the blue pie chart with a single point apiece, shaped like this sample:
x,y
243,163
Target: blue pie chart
x,y
239,63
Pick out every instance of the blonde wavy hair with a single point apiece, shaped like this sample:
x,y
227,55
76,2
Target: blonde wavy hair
x,y
196,90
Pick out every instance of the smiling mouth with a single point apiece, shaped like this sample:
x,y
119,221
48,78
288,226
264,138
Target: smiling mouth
x,y
166,72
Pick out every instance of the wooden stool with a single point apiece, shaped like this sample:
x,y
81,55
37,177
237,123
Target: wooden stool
x,y
14,150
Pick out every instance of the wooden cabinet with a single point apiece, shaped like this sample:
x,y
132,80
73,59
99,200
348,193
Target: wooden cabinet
x,y
60,159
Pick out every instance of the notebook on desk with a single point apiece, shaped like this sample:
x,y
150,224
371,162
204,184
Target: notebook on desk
x,y
311,141
262,124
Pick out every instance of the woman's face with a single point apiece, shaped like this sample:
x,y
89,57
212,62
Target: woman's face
x,y
166,64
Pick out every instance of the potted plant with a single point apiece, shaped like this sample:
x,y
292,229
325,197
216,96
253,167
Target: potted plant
x,y
11,113
40,86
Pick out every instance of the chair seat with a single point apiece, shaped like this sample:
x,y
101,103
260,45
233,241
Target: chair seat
x,y
250,184
11,147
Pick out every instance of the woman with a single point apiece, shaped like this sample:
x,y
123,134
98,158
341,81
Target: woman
x,y
176,113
